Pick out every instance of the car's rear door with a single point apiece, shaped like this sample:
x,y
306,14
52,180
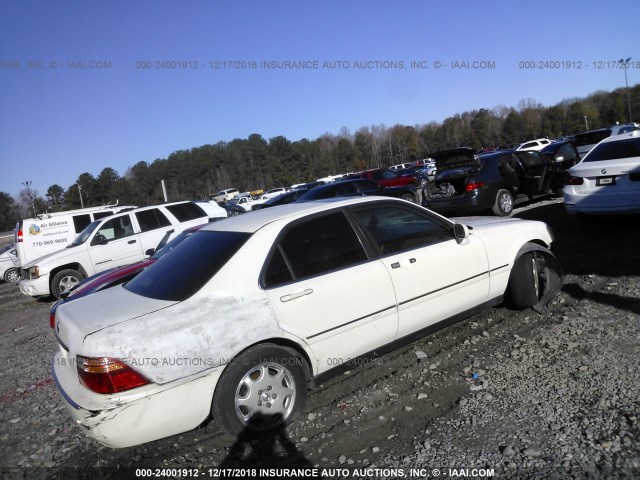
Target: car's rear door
x,y
434,275
326,291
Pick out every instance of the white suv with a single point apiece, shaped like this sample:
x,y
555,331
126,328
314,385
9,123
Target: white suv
x,y
536,145
113,241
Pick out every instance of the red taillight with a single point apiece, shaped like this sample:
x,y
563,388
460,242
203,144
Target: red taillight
x,y
569,180
19,235
108,375
52,320
470,187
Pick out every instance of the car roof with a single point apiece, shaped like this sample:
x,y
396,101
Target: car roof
x,y
622,136
253,221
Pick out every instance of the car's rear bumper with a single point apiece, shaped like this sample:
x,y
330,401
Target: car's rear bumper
x,y
476,201
132,418
600,203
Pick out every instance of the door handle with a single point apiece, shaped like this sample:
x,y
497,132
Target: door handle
x,y
412,260
293,296
395,265
131,241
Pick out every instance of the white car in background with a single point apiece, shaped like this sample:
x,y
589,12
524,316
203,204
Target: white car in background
x,y
239,320
607,180
535,145
9,265
274,192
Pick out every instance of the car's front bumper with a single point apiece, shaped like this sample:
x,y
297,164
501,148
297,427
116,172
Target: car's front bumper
x,y
37,287
139,415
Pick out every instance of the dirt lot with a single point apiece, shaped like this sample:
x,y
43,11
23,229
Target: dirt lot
x,y
556,395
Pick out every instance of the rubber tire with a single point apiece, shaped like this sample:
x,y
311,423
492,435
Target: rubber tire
x,y
55,283
408,197
497,208
12,275
522,283
223,409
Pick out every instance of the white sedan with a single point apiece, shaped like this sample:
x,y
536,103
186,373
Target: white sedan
x,y
237,321
607,180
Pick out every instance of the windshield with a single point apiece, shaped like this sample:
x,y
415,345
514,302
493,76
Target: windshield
x,y
193,263
614,150
85,234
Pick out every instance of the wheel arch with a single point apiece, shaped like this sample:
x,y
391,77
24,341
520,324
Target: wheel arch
x,y
290,345
553,271
69,266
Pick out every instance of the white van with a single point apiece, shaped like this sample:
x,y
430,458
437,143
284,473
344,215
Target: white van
x,y
50,232
120,239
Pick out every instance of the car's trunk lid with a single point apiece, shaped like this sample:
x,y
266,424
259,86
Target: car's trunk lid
x,y
77,319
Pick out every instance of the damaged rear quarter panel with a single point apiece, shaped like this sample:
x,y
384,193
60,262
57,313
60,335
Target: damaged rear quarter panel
x,y
227,315
200,333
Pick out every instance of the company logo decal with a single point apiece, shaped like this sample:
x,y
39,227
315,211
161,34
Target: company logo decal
x,y
34,230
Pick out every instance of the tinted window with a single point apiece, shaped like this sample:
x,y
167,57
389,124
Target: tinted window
x,y
530,159
80,222
189,266
85,234
151,219
186,211
99,215
315,247
590,138
367,186
614,150
113,229
396,229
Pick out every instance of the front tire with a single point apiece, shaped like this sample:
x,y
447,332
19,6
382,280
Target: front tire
x,y
408,197
526,283
12,275
64,281
262,389
503,206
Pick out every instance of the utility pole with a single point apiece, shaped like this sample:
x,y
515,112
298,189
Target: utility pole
x,y
30,195
625,64
80,193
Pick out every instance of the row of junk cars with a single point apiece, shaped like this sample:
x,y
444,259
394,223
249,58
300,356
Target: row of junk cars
x,y
231,319
462,180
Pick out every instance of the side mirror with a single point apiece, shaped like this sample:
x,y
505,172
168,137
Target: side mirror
x,y
150,252
460,232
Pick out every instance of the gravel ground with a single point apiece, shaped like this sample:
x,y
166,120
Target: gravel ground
x,y
522,394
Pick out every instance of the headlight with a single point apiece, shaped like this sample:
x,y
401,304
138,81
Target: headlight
x,y
34,272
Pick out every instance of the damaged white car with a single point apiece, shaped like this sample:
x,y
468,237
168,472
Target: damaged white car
x,y
238,321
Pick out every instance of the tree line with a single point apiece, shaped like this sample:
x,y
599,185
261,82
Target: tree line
x,y
258,163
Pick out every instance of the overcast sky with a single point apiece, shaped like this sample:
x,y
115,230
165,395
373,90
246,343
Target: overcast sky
x,y
91,84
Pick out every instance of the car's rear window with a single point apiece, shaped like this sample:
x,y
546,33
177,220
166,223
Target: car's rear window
x,y
614,150
182,272
186,211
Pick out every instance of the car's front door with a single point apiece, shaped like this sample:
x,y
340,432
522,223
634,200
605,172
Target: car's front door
x,y
435,276
326,291
114,244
